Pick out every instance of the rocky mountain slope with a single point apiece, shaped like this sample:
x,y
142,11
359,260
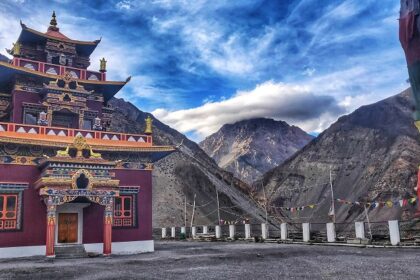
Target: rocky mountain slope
x,y
3,58
187,173
373,154
250,148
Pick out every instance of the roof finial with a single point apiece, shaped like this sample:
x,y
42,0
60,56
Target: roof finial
x,y
102,65
53,21
149,122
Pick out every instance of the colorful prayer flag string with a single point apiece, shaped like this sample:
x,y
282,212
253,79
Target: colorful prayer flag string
x,y
375,204
296,209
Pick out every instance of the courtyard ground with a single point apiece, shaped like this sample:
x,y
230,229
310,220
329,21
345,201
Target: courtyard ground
x,y
237,260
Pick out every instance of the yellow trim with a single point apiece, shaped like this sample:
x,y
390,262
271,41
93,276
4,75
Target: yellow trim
x,y
99,145
91,43
6,64
95,183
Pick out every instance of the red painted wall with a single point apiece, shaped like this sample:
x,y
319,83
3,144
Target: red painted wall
x,y
93,215
18,98
143,179
33,230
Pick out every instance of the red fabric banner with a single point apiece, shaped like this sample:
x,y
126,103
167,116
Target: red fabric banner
x,y
410,37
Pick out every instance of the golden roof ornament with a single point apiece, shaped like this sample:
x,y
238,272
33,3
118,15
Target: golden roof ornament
x,y
16,49
417,123
64,153
149,122
80,144
102,65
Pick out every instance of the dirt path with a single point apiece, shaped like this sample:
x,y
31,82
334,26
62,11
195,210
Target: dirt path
x,y
200,260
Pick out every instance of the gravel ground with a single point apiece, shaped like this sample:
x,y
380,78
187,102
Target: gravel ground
x,y
217,260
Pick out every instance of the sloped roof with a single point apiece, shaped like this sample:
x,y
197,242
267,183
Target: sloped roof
x,y
29,35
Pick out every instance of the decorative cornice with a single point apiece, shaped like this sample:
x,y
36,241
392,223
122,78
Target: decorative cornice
x,y
55,182
13,186
63,143
79,160
50,76
39,161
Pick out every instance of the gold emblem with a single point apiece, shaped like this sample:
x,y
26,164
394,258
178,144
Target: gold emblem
x,y
93,154
64,153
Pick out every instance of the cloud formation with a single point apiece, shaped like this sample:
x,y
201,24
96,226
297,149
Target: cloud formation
x,y
294,104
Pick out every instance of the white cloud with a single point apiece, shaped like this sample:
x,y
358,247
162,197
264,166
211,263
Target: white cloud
x,y
124,5
292,103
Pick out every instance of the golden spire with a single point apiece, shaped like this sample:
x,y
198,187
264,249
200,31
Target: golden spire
x,y
148,129
53,21
102,67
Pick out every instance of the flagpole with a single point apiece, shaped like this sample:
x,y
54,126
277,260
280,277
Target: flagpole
x,y
266,202
218,207
332,197
367,218
193,212
185,212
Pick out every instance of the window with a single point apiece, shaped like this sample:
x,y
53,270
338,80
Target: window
x,y
87,124
30,118
124,211
8,211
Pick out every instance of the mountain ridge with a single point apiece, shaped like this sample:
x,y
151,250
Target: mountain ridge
x,y
373,154
249,148
4,58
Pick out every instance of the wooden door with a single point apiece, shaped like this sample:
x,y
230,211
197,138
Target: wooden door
x,y
67,227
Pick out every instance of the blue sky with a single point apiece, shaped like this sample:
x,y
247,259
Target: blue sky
x,y
197,65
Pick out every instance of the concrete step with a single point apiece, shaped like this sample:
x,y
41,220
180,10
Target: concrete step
x,y
70,251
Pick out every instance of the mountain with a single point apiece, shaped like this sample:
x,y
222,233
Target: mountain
x,y
186,173
373,154
4,58
250,148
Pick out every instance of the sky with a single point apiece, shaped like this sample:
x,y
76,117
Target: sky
x,y
198,64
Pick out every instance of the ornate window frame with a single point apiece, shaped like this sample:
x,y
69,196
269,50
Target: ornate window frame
x,y
126,221
8,190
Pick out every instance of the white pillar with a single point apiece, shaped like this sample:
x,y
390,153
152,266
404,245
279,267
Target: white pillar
x,y
205,229
247,231
306,230
231,231
183,230
331,232
173,232
163,232
394,232
360,230
283,231
193,231
218,230
264,231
